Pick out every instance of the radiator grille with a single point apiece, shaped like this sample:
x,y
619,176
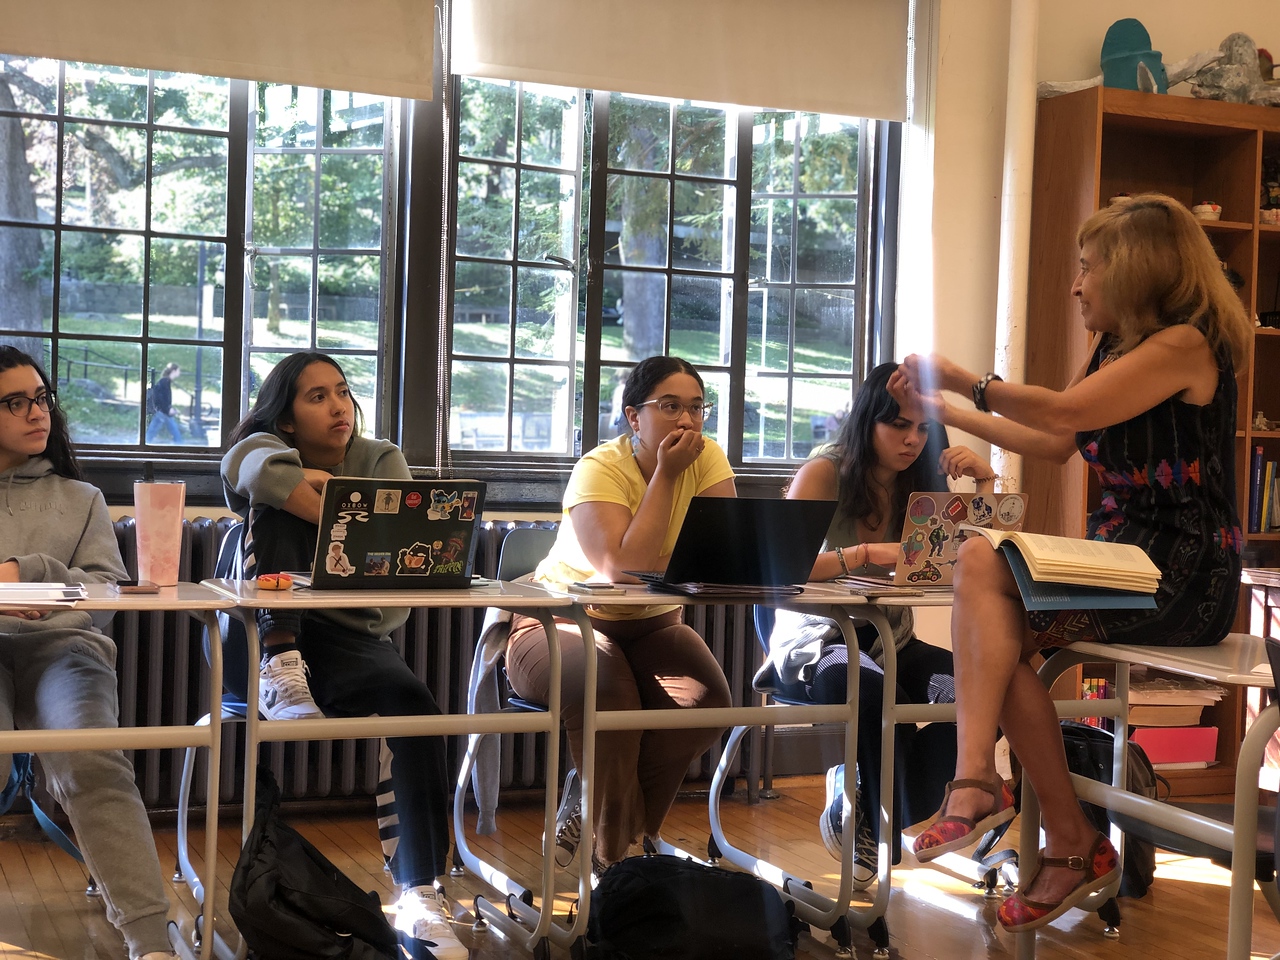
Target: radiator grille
x,y
163,680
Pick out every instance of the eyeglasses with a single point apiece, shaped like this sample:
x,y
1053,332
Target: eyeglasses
x,y
20,406
671,409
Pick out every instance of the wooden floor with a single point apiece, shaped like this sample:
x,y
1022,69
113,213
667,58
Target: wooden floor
x,y
44,913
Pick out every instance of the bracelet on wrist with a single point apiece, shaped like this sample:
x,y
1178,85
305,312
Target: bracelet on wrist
x,y
840,556
980,391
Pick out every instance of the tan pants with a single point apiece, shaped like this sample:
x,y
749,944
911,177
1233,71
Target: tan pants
x,y
656,664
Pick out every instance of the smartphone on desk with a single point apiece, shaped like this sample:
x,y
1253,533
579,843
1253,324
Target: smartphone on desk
x,y
607,589
136,586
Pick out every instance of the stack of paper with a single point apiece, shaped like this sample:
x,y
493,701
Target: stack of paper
x,y
1170,701
40,594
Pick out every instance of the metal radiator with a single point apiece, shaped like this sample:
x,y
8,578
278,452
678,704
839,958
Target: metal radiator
x,y
163,680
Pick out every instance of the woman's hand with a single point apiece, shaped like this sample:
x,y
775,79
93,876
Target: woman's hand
x,y
959,461
880,554
23,614
933,374
678,450
908,394
316,478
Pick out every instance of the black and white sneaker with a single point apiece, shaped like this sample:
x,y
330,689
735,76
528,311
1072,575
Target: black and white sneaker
x,y
866,853
283,691
569,820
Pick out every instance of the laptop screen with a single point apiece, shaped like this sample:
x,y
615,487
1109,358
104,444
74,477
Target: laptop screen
x,y
387,534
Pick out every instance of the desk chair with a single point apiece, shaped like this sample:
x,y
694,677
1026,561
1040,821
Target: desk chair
x,y
522,549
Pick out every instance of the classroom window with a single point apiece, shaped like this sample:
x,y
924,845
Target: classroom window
x,y
113,240
652,260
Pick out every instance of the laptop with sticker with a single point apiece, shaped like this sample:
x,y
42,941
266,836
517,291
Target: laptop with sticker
x,y
388,534
931,536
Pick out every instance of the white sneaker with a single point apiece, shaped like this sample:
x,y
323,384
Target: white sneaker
x,y
421,914
283,693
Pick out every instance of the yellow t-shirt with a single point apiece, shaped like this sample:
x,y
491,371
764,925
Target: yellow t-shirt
x,y
610,474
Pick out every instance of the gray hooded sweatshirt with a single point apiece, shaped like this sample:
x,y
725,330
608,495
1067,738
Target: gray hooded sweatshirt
x,y
58,530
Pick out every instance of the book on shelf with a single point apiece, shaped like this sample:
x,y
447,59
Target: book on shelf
x,y
1165,714
1255,491
1187,765
1264,512
1056,573
1177,744
1162,701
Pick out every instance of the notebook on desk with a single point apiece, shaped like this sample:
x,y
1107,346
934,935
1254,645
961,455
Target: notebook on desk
x,y
728,543
385,534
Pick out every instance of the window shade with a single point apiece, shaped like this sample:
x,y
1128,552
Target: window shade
x,y
370,46
831,56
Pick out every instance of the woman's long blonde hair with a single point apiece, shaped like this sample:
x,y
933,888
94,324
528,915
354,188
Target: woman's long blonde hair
x,y
1159,269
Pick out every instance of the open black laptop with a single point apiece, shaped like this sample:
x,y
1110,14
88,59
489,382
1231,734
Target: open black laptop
x,y
728,542
382,534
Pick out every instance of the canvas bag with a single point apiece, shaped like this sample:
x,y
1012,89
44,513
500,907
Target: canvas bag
x,y
676,909
1089,753
290,903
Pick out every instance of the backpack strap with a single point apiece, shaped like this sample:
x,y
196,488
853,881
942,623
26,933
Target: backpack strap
x,y
22,778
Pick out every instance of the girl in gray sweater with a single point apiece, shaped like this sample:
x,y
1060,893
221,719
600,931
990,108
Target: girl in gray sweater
x,y
57,668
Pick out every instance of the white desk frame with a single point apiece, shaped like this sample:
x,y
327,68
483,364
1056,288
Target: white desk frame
x,y
1240,660
521,598
201,603
823,599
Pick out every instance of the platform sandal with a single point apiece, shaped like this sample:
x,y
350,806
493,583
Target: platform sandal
x,y
943,833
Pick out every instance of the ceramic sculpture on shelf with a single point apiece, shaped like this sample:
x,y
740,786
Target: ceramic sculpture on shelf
x,y
1128,62
1237,76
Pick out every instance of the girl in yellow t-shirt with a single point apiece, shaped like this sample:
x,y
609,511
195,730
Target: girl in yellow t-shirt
x,y
623,507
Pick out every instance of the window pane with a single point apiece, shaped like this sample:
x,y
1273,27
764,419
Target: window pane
x,y
362,376
550,126
701,319
825,231
478,406
100,290
717,393
639,134
283,199
189,183
702,147
818,407
38,347
351,201
281,301
353,119
547,224
704,226
544,313
196,415
188,296
34,88
764,427
542,409
481,308
487,128
100,389
638,210
773,152
103,175
26,277
106,93
768,329
190,100
612,418
644,316
486,210
771,240
286,115
349,298
30,195
829,154
824,331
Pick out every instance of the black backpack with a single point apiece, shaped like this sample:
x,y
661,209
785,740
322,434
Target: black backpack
x,y
290,903
675,909
1089,753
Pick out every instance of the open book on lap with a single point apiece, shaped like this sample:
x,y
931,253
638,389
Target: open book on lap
x,y
1049,595
1068,561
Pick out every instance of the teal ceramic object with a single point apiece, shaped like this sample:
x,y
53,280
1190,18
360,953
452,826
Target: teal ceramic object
x,y
1126,45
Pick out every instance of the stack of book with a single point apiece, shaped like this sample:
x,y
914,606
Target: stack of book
x,y
1063,573
1166,713
1264,494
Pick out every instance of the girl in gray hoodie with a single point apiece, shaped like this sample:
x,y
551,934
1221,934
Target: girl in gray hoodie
x,y
57,668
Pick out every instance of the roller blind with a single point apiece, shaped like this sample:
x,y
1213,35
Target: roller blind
x,y
831,56
369,46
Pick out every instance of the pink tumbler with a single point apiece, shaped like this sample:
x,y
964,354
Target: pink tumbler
x,y
158,525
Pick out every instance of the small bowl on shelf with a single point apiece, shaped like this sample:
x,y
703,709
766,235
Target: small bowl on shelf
x,y
1207,210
